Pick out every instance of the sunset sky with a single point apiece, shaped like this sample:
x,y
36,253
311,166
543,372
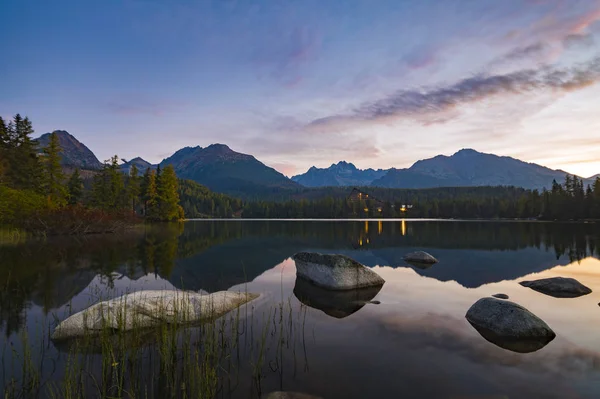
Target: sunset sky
x,y
301,83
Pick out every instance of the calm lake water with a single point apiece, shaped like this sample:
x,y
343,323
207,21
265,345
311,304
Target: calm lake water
x,y
415,344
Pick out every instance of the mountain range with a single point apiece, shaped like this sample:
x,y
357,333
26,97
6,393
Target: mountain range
x,y
223,170
465,168
340,174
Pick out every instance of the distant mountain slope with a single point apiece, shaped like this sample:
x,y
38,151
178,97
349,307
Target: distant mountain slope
x,y
73,153
468,167
140,163
223,170
340,174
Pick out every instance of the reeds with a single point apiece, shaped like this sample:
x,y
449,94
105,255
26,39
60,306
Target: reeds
x,y
172,360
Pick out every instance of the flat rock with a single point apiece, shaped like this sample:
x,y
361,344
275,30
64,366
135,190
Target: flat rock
x,y
509,325
420,257
335,272
145,309
500,296
558,287
335,303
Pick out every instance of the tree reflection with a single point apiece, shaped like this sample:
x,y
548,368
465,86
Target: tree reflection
x,y
213,255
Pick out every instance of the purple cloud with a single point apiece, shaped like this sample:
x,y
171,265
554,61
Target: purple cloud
x,y
425,105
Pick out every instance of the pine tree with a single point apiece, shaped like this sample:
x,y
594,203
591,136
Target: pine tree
x,y
4,150
150,195
116,185
133,187
100,189
168,196
24,169
75,188
53,176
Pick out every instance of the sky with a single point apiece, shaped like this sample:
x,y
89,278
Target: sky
x,y
297,83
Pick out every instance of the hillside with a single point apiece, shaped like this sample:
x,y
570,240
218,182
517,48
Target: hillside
x,y
468,168
73,153
224,170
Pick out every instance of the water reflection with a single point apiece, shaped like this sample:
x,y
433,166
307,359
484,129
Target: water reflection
x,y
418,330
519,345
214,255
338,304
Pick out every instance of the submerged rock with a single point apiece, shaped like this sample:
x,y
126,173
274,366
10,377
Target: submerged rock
x,y
420,257
290,395
509,325
558,287
500,296
145,309
335,272
338,304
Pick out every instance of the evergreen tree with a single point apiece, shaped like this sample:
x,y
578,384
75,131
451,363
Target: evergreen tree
x,y
75,188
24,171
100,191
168,197
117,198
150,195
53,176
4,150
133,187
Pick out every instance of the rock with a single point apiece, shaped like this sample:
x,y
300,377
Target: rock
x,y
145,309
501,296
509,325
420,257
335,272
558,287
290,395
338,304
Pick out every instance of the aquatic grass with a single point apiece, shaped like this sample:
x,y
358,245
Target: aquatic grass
x,y
171,360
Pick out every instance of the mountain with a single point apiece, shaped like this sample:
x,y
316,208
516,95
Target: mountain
x,y
224,170
73,152
468,167
140,163
592,178
340,174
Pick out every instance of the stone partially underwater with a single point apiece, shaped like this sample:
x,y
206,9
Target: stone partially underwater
x,y
509,325
145,309
335,272
558,287
335,303
420,258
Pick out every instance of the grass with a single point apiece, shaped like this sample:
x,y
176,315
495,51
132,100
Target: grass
x,y
12,236
220,355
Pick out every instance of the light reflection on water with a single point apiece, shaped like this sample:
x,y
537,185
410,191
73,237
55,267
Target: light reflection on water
x,y
416,343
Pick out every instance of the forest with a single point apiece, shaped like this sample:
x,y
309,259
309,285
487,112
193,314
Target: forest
x,y
37,195
567,201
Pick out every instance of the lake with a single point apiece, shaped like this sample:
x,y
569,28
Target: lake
x,y
415,343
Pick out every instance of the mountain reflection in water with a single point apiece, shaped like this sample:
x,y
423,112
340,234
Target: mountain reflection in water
x,y
416,341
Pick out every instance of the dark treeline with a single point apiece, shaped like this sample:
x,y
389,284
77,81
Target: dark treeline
x,y
563,202
199,202
37,194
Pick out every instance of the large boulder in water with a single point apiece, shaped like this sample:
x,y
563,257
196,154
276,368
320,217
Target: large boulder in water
x,y
338,304
420,257
558,287
145,309
335,272
509,325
